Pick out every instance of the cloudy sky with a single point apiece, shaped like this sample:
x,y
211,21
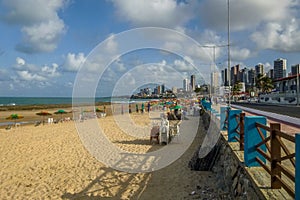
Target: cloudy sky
x,y
45,44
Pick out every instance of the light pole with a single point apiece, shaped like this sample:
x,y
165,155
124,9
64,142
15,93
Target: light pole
x,y
298,85
214,61
228,37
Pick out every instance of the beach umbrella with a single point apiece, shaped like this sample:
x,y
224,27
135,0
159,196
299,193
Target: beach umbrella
x,y
176,107
43,114
14,117
61,112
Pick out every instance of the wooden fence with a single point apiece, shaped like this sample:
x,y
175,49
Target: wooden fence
x,y
265,146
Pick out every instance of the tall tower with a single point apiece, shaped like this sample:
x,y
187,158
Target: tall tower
x,y
193,82
215,82
185,84
259,69
279,68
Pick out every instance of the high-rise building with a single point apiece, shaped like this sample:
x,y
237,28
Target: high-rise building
x,y
163,88
185,84
193,82
251,77
225,77
214,82
295,69
270,74
159,89
279,68
259,69
244,76
234,74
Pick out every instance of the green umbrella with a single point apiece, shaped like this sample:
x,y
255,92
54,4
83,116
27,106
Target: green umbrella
x,y
176,107
15,117
61,112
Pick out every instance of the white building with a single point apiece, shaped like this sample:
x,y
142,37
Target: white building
x,y
215,85
185,85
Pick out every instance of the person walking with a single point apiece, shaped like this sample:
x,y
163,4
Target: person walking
x,y
129,110
148,107
143,107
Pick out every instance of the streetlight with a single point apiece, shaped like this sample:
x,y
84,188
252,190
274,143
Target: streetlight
x,y
228,37
214,62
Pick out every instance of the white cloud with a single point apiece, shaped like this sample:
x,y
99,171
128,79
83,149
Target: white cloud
x,y
119,65
51,71
275,36
42,37
182,66
73,61
111,46
28,76
164,13
40,24
20,61
31,11
31,72
244,14
239,54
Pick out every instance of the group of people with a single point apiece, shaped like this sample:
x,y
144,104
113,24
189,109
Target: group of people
x,y
174,116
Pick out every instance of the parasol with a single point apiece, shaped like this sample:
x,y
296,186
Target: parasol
x,y
43,114
61,112
176,107
15,117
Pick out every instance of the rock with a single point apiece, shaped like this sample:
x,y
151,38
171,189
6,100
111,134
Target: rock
x,y
245,186
239,189
233,170
235,181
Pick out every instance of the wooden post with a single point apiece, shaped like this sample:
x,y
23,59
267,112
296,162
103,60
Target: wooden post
x,y
242,131
252,138
232,124
275,154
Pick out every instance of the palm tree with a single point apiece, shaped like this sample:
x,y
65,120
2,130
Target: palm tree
x,y
236,88
265,84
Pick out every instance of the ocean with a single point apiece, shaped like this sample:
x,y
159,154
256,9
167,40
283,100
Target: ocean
x,y
4,101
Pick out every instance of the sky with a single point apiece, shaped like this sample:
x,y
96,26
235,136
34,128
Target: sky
x,y
55,48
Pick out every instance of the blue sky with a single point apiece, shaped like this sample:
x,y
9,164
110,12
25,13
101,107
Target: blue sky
x,y
44,43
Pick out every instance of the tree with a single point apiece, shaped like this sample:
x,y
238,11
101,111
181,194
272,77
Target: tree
x,y
265,84
236,88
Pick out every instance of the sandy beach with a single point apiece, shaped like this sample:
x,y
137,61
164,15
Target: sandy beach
x,y
50,162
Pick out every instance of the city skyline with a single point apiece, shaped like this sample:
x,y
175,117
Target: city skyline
x,y
248,75
45,43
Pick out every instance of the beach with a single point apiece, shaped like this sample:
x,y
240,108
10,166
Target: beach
x,y
50,162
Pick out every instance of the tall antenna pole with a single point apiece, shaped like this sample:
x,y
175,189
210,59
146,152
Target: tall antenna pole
x,y
228,70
